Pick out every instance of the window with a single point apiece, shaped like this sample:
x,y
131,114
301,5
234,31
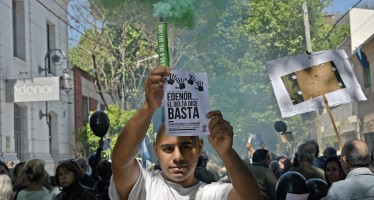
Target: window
x,y
85,110
366,77
362,58
51,44
19,40
18,131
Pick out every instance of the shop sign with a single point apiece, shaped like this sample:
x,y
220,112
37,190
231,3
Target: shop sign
x,y
35,89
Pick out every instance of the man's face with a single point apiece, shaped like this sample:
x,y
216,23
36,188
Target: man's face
x,y
266,161
178,157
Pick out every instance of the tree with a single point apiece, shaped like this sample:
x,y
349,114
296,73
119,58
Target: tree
x,y
247,35
112,43
231,41
87,141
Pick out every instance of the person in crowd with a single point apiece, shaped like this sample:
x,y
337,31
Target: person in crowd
x,y
224,176
86,179
4,168
329,152
212,167
333,170
305,154
318,161
10,164
284,165
35,172
55,190
295,160
94,160
275,168
264,176
20,182
104,172
67,177
47,182
177,156
16,170
359,183
201,172
6,191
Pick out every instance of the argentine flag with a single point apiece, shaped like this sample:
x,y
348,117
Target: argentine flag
x,y
144,153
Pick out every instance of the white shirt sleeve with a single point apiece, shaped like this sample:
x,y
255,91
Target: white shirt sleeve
x,y
216,191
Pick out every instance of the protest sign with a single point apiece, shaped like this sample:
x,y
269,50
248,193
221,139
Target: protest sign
x,y
186,101
301,82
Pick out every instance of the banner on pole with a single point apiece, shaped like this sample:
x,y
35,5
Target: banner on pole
x,y
299,81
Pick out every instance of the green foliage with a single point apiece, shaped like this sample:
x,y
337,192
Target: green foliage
x,y
81,148
117,118
246,36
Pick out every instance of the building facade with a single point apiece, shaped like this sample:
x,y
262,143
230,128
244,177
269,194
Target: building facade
x,y
36,116
354,120
86,97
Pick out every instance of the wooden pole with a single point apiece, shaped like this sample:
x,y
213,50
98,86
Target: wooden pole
x,y
309,50
328,108
332,121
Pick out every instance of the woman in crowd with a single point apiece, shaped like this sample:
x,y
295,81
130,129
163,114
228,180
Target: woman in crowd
x,y
285,164
67,177
6,191
333,170
35,172
20,181
104,171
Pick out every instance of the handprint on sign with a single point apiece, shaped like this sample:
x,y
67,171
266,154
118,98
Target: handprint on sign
x,y
172,79
191,80
180,81
199,86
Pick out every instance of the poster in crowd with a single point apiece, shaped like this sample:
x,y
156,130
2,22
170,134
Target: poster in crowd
x,y
186,101
300,81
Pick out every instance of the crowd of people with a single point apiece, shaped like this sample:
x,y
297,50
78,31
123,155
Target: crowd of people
x,y
183,169
74,179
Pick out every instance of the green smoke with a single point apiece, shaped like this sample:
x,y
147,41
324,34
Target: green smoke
x,y
179,12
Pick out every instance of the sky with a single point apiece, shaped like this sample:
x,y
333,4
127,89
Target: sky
x,y
342,6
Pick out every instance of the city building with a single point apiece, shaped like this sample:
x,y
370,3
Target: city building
x,y
354,120
36,117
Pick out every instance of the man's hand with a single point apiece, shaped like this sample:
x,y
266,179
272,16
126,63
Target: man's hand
x,y
154,87
221,133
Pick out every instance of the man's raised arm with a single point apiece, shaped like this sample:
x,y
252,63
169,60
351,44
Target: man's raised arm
x,y
221,138
124,165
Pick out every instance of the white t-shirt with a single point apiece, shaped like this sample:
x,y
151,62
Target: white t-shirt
x,y
152,186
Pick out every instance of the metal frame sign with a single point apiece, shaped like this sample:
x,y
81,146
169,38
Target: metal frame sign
x,y
35,89
300,82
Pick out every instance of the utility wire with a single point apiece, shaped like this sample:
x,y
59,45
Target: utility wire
x,y
31,21
75,19
67,23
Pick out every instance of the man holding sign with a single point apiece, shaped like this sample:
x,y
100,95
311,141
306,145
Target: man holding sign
x,y
177,155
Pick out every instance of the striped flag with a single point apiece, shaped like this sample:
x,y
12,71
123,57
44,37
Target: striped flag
x,y
144,153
